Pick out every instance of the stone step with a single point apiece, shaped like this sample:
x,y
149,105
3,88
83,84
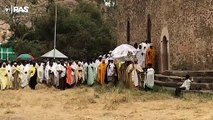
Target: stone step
x,y
192,91
191,73
203,79
201,86
166,78
167,84
194,86
200,91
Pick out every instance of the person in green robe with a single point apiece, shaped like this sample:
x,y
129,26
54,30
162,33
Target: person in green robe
x,y
91,74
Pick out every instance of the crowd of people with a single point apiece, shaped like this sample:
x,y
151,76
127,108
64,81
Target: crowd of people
x,y
134,72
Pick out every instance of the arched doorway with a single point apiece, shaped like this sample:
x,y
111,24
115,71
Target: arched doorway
x,y
164,51
165,54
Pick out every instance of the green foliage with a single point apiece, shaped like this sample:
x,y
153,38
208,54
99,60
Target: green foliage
x,y
81,33
32,47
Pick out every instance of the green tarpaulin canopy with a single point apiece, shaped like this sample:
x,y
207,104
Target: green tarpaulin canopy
x,y
7,54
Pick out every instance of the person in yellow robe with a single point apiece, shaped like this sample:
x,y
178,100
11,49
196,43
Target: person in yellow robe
x,y
102,72
16,76
123,73
150,56
4,77
134,70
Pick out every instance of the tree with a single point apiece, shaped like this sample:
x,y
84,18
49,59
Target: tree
x,y
81,32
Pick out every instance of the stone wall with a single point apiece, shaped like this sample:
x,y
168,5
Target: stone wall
x,y
189,24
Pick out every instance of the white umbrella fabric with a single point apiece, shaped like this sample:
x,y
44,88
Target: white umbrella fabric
x,y
123,51
50,54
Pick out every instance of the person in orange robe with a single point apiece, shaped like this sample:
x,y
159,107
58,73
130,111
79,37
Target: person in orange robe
x,y
69,74
150,56
102,72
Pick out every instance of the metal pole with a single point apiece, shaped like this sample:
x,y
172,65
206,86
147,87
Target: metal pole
x,y
55,30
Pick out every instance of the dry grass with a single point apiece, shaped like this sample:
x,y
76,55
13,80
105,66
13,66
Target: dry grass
x,y
102,103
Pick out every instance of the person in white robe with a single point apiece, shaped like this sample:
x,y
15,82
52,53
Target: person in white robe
x,y
85,65
10,76
98,61
56,69
40,72
21,66
149,78
73,67
50,74
47,69
62,76
111,72
44,77
79,74
143,53
25,77
185,86
144,46
139,55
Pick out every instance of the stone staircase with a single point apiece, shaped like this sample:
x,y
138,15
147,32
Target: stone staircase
x,y
203,80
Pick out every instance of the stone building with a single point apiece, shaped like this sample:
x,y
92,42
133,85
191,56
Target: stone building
x,y
181,31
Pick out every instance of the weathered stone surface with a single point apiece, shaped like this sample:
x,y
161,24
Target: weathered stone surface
x,y
200,91
166,78
203,73
167,84
194,86
201,86
189,23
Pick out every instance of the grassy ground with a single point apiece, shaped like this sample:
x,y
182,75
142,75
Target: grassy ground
x,y
103,103
158,93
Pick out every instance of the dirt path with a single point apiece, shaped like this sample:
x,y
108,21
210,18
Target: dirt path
x,y
88,104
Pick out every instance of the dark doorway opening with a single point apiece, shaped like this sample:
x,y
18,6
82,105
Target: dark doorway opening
x,y
128,31
149,27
